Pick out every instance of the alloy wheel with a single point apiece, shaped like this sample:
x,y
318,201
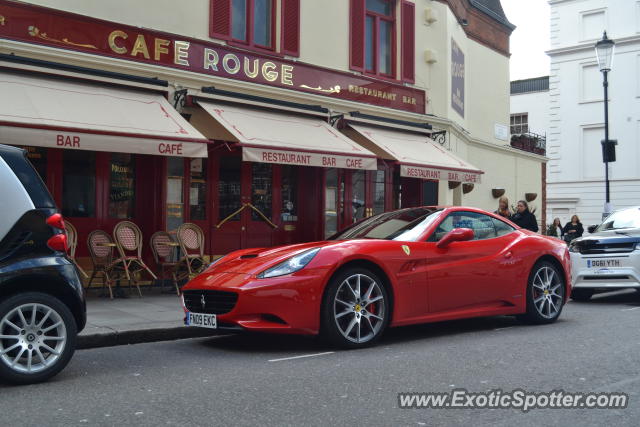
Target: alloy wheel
x,y
359,308
547,292
32,338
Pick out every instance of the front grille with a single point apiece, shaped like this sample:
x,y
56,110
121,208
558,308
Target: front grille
x,y
604,277
215,302
609,248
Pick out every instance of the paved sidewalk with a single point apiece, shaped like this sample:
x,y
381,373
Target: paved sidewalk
x,y
154,317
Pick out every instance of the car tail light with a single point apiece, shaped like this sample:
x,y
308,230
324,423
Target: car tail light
x,y
56,221
58,242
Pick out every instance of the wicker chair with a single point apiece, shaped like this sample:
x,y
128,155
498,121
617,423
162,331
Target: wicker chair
x,y
72,241
101,250
128,238
162,246
191,239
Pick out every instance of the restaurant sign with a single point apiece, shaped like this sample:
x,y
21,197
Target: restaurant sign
x,y
34,24
437,174
284,157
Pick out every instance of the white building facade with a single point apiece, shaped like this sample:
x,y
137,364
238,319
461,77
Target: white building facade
x,y
575,173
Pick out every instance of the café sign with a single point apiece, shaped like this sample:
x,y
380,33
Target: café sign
x,y
34,24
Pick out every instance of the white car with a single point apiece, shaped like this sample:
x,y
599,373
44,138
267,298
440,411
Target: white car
x,y
609,258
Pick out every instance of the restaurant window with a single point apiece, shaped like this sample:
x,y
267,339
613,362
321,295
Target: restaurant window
x,y
122,192
175,197
289,194
379,26
261,177
334,192
379,192
78,184
519,123
198,190
358,196
252,22
430,193
229,188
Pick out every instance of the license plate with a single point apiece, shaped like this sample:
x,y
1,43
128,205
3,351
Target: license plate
x,y
201,320
603,263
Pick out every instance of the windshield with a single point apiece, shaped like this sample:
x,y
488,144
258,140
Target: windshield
x,y
404,225
628,218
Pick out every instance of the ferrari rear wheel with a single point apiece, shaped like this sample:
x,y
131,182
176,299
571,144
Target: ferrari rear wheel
x,y
355,309
545,294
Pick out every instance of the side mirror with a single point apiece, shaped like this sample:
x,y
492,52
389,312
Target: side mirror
x,y
455,235
592,228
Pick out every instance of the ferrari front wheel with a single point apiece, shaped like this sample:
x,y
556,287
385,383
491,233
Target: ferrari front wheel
x,y
545,294
355,308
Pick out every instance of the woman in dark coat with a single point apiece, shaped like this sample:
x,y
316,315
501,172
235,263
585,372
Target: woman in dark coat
x,y
524,218
573,229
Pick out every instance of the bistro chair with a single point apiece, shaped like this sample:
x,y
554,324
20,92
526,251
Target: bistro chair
x,y
101,250
72,242
163,247
128,239
191,240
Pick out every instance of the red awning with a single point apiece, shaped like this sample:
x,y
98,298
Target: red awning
x,y
278,137
419,157
67,114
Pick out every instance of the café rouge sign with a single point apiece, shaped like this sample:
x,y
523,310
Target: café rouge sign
x,y
33,24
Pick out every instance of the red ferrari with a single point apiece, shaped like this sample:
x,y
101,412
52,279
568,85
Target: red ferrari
x,y
409,266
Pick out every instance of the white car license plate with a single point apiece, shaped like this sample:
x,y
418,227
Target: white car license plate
x,y
201,320
604,263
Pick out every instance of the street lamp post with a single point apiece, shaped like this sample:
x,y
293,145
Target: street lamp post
x,y
604,53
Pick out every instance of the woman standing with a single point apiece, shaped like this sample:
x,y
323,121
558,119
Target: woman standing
x,y
524,218
573,229
503,207
556,229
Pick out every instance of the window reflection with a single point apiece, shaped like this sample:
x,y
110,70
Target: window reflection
x,y
79,183
262,22
229,188
358,196
198,190
122,179
379,192
261,178
175,198
289,194
239,20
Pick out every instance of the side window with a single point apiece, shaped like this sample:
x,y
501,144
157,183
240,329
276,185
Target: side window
x,y
502,227
482,225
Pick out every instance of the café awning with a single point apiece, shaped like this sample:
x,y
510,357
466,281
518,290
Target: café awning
x,y
285,138
57,113
418,156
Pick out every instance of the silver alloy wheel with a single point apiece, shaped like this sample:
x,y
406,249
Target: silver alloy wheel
x,y
32,338
546,298
359,308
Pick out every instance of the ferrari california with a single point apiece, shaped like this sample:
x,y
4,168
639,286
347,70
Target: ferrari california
x,y
415,265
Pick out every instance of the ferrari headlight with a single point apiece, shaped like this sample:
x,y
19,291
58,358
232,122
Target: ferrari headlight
x,y
291,265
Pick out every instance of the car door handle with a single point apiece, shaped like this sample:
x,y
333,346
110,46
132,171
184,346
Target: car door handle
x,y
508,255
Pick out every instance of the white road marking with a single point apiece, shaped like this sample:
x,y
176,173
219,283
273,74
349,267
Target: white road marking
x,y
301,357
629,309
506,327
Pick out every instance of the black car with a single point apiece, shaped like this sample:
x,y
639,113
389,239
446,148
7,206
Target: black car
x,y
42,306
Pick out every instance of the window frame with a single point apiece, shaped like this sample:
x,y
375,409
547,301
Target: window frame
x,y
524,123
376,39
250,31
